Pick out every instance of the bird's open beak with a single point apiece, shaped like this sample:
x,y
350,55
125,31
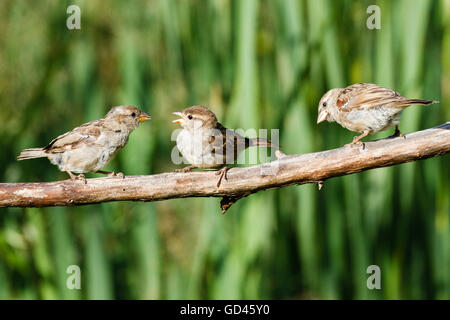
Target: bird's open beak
x,y
179,121
322,116
144,117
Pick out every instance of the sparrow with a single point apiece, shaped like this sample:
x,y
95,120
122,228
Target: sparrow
x,y
366,108
205,143
90,147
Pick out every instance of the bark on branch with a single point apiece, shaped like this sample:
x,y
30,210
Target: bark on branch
x,y
243,181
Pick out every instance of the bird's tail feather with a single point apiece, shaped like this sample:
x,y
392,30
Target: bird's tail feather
x,y
261,142
31,154
409,102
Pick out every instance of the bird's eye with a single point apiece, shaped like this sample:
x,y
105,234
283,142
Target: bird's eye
x,y
133,114
324,104
190,117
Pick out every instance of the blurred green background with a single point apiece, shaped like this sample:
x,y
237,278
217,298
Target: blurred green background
x,y
257,64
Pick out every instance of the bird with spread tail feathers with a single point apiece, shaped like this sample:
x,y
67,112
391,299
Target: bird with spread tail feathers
x,y
365,108
89,147
206,143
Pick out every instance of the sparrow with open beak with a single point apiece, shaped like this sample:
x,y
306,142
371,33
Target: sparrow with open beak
x,y
205,143
89,147
365,108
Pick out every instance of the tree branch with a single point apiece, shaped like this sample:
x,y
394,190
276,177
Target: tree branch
x,y
289,170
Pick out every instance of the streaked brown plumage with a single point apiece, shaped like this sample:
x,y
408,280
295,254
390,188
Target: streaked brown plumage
x,y
89,147
206,143
365,107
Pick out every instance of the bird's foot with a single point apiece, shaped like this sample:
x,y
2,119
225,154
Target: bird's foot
x,y
112,174
397,133
116,174
74,177
223,175
185,169
356,142
80,177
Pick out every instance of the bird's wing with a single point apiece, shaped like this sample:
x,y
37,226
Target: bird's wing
x,y
86,133
366,96
228,140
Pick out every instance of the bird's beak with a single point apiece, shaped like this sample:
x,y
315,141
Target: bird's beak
x,y
322,116
179,121
144,117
